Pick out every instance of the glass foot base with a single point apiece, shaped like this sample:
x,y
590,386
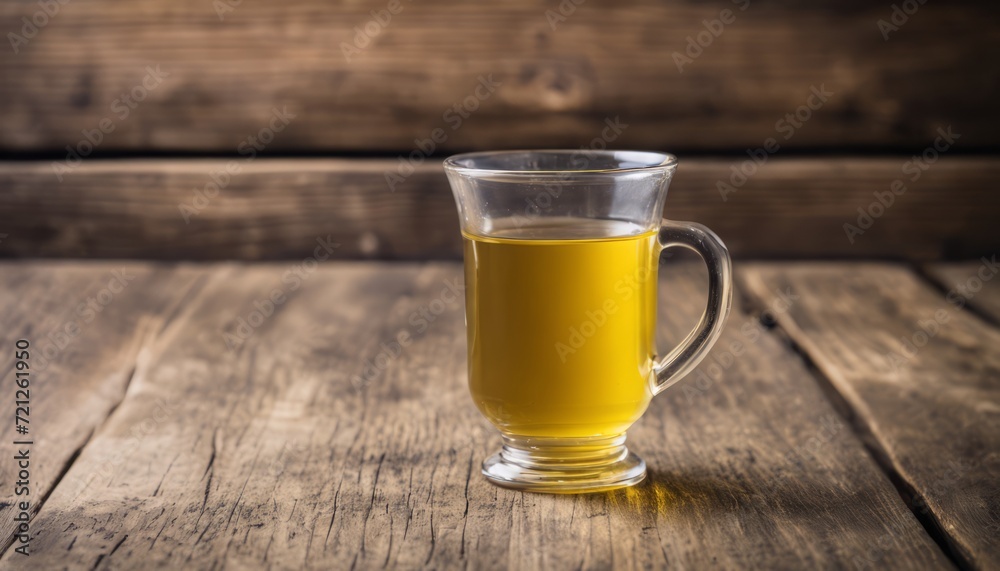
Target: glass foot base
x,y
564,465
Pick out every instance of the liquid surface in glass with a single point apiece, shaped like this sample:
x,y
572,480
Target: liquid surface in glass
x,y
561,326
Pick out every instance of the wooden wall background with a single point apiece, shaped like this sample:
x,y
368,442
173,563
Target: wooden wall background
x,y
324,174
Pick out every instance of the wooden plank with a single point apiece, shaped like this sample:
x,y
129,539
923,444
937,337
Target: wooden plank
x,y
964,282
80,359
921,378
278,208
274,457
557,84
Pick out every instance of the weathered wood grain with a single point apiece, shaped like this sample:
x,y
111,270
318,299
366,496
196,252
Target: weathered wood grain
x,y
273,457
278,208
965,281
556,84
922,379
81,359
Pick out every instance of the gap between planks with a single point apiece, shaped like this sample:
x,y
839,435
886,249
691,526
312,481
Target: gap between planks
x,y
908,492
841,406
732,495
146,340
937,277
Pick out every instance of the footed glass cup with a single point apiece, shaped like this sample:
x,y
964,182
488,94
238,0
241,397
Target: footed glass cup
x,y
561,266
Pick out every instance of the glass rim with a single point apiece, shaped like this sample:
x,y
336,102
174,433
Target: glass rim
x,y
650,161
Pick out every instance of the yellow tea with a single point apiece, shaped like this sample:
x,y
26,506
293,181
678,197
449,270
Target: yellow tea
x,y
561,326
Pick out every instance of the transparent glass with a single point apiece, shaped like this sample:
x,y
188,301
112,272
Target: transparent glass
x,y
561,267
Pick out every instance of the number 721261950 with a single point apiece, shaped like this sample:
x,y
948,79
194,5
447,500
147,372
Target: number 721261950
x,y
22,378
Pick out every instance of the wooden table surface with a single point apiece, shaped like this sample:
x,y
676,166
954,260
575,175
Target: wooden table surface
x,y
848,418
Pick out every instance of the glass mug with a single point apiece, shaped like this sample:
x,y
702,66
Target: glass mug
x,y
561,256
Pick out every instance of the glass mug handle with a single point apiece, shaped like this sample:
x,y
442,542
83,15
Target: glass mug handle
x,y
686,356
